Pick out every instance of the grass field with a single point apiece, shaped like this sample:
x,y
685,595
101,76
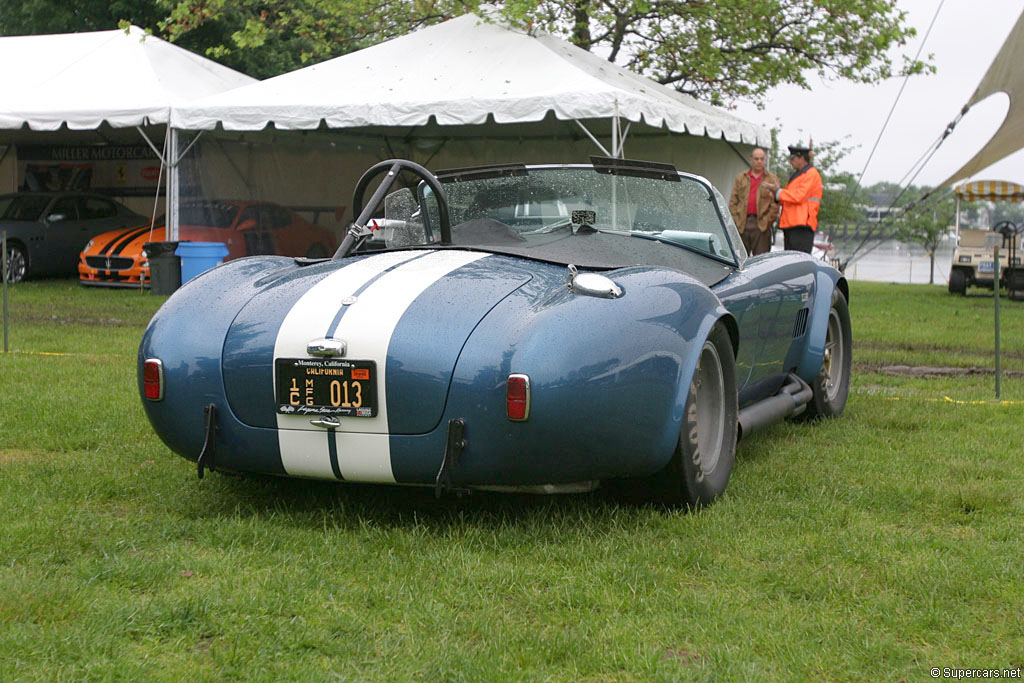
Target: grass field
x,y
876,546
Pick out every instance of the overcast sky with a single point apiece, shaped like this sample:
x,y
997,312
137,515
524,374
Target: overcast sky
x,y
965,38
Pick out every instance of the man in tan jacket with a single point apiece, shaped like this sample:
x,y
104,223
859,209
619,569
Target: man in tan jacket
x,y
752,206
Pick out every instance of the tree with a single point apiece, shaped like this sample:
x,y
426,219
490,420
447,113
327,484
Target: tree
x,y
716,51
926,223
280,51
731,49
33,17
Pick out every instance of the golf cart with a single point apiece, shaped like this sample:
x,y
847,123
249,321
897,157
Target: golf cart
x,y
973,263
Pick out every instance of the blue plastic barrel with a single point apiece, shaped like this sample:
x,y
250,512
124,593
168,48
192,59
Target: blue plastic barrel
x,y
197,257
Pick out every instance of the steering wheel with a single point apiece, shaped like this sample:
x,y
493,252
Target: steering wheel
x,y
1007,228
359,232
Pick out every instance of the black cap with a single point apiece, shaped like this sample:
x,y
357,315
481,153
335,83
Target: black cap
x,y
800,151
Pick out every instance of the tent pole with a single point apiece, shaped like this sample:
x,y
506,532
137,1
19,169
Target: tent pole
x,y
162,156
615,152
171,201
615,131
173,179
957,220
592,138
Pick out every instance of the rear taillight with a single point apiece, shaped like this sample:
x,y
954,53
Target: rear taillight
x,y
153,379
517,397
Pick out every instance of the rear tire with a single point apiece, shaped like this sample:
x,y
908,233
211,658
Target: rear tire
x,y
831,387
17,263
1015,284
702,462
957,282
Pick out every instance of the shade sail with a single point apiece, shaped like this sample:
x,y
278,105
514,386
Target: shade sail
x,y
82,80
461,72
990,190
1004,75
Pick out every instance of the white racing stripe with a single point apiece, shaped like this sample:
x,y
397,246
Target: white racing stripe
x,y
363,448
305,453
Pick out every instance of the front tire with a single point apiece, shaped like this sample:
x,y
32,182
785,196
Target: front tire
x,y
957,282
831,387
17,263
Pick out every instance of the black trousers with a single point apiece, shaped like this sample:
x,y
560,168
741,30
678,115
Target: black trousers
x,y
798,238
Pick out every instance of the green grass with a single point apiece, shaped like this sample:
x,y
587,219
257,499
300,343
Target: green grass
x,y
875,546
925,325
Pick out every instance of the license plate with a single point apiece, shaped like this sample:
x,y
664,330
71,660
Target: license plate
x,y
326,386
986,267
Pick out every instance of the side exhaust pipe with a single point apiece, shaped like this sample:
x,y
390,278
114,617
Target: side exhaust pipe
x,y
791,400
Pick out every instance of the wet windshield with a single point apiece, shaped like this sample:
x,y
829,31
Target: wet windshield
x,y
208,214
536,207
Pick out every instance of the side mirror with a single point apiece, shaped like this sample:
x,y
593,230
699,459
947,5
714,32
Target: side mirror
x,y
249,224
56,217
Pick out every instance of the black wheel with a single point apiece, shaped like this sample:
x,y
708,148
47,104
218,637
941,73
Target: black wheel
x,y
832,385
17,262
700,467
957,282
1015,284
317,251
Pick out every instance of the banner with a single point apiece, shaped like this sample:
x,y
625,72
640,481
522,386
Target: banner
x,y
116,170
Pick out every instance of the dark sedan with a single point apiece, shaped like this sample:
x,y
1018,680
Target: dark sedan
x,y
47,230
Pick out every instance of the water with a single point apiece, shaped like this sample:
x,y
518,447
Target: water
x,y
892,261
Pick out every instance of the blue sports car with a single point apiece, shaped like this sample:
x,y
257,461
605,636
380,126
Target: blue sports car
x,y
547,328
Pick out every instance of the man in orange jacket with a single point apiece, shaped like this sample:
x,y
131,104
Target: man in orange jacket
x,y
800,200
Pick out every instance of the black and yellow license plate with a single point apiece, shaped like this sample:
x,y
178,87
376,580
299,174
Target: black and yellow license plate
x,y
326,386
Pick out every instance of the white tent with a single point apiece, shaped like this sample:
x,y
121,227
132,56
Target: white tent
x,y
461,72
81,80
57,87
461,92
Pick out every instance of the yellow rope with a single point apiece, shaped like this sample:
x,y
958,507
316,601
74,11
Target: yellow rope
x,y
54,353
946,399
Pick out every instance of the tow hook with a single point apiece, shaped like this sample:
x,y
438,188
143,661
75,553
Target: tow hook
x,y
452,451
206,457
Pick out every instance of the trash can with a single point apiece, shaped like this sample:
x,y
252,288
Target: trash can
x,y
164,267
197,257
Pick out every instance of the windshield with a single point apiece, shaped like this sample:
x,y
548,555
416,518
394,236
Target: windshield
x,y
212,214
541,205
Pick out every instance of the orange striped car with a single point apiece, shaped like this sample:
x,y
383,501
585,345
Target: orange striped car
x,y
247,228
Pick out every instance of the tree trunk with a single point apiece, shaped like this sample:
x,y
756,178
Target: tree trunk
x,y
581,27
931,273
